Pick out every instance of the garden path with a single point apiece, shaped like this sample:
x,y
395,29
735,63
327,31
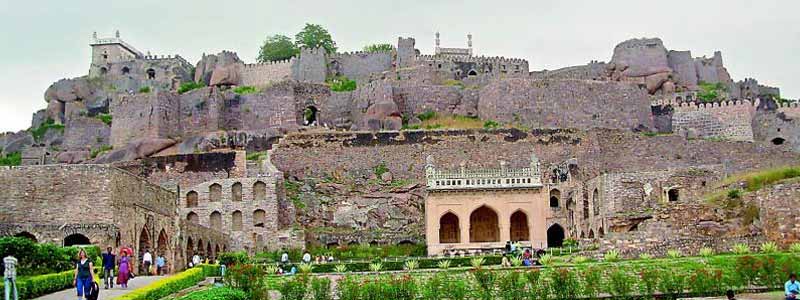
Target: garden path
x,y
135,283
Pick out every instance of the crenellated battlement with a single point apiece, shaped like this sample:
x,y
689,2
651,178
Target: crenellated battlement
x,y
360,53
697,106
501,178
476,59
270,63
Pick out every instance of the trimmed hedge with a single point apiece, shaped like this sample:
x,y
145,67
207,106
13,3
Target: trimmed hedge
x,y
173,284
34,286
221,293
38,259
428,263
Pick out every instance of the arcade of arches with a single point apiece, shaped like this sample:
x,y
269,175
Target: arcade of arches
x,y
486,219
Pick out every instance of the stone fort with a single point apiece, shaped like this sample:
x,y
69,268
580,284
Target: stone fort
x,y
616,154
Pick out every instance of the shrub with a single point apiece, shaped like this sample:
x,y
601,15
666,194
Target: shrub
x,y
103,149
741,248
455,289
244,90
321,288
443,264
271,269
348,288
380,169
340,268
491,124
382,47
672,253
37,259
611,256
705,282
648,278
769,247
294,289
433,287
620,283
39,132
341,84
485,279
570,242
11,159
144,90
538,287
794,247
645,256
546,259
411,265
706,252
592,277
564,284
261,155
105,118
188,86
376,267
305,268
734,193
427,115
221,293
516,261
477,262
511,286
247,278
671,283
233,258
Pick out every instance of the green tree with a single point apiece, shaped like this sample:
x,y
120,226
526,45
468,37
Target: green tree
x,y
313,36
277,47
378,48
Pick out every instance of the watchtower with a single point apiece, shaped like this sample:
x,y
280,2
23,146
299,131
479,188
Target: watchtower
x,y
107,51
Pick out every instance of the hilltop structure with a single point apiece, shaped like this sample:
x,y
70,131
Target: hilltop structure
x,y
267,156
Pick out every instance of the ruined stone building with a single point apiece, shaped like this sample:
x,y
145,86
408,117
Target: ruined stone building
x,y
618,154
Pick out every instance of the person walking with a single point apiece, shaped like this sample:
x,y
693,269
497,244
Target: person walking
x,y
147,261
160,263
196,260
109,261
124,270
84,275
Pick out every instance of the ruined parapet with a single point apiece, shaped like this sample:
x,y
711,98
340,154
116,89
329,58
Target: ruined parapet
x,y
729,120
406,53
147,115
359,65
594,70
467,179
263,74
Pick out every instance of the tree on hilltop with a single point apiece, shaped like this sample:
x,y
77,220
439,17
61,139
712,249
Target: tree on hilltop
x,y
313,36
277,47
383,47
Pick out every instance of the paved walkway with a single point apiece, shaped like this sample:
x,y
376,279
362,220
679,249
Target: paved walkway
x,y
104,294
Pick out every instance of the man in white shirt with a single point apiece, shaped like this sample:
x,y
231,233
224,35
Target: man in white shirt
x,y
147,261
196,260
307,258
285,258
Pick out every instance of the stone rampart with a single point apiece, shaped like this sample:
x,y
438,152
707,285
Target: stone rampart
x,y
565,104
360,65
265,73
726,120
147,115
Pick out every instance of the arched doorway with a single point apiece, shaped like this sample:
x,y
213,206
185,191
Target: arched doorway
x,y
151,74
200,248
519,227
26,235
596,201
259,218
259,191
672,195
163,243
472,73
483,225
310,116
214,192
191,199
76,239
591,233
449,229
211,255
216,249
193,218
778,141
555,236
144,245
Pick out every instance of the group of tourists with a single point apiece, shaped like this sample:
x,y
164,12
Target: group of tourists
x,y
84,269
527,255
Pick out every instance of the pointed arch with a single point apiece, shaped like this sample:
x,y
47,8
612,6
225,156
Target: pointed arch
x,y
591,233
555,236
189,249
192,217
484,225
449,229
259,218
519,226
162,246
236,221
215,220
145,242
214,192
200,247
596,201
191,199
236,191
259,191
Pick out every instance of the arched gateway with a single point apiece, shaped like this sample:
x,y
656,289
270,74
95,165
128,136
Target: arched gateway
x,y
482,209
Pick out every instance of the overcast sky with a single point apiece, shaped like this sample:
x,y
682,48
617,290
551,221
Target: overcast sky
x,y
43,41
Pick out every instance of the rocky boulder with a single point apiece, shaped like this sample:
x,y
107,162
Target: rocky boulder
x,y
219,69
135,150
382,115
641,57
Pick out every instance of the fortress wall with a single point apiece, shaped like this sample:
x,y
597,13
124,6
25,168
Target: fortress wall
x,y
148,115
265,73
596,151
310,66
201,111
414,100
360,65
85,133
591,71
177,172
727,120
272,107
565,104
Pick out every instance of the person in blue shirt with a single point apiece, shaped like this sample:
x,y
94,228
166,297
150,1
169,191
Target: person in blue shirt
x,y
109,261
792,287
161,263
